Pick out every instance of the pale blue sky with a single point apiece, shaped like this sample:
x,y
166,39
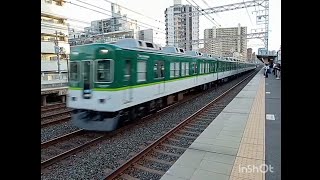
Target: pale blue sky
x,y
155,9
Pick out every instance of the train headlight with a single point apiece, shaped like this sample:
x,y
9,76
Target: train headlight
x,y
104,51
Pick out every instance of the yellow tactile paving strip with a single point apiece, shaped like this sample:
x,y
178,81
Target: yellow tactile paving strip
x,y
250,160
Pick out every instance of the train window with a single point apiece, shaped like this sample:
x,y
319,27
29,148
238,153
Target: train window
x,y
194,68
183,69
142,71
211,67
158,69
177,69
187,69
174,69
171,69
103,71
202,67
74,71
127,70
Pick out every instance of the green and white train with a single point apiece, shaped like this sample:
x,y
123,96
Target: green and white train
x,y
114,83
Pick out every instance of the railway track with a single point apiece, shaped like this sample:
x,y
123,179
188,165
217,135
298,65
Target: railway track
x,y
66,145
62,149
155,159
59,114
52,107
58,154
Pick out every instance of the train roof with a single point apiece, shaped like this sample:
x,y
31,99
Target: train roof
x,y
134,44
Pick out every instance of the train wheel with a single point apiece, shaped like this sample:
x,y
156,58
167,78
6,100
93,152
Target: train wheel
x,y
159,104
132,114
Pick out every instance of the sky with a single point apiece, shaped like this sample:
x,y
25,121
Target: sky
x,y
152,16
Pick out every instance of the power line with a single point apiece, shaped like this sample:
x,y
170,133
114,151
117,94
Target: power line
x,y
210,18
108,14
136,12
233,6
111,15
248,14
197,8
209,7
77,20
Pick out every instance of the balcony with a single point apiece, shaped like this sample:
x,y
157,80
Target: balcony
x,y
48,27
49,81
48,47
53,10
52,66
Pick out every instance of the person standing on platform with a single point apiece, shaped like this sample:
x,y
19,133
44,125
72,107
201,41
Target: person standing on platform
x,y
278,71
266,70
274,69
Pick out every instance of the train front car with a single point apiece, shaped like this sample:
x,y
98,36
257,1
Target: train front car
x,y
92,87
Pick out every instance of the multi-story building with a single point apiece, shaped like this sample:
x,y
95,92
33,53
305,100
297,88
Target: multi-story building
x,y
212,45
146,35
182,26
249,53
102,38
253,57
108,30
226,42
117,22
54,41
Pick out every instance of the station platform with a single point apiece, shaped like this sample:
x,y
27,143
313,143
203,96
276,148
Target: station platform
x,y
243,142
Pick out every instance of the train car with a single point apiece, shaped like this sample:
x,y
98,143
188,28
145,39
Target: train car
x,y
113,83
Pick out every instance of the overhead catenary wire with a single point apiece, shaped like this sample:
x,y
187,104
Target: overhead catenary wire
x,y
135,12
115,13
110,15
248,13
209,18
205,2
139,25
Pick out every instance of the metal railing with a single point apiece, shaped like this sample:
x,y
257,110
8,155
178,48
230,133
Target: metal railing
x,y
54,77
54,85
54,81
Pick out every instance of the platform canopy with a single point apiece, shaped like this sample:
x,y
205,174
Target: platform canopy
x,y
266,58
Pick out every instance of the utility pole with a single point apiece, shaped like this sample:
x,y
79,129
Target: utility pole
x,y
57,51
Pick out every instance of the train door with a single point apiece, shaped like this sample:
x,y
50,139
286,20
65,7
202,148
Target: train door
x,y
159,75
127,81
87,79
194,71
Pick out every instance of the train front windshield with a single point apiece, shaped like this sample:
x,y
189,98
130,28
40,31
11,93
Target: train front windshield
x,y
84,74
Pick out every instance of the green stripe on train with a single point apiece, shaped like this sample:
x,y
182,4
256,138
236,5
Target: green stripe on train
x,y
137,86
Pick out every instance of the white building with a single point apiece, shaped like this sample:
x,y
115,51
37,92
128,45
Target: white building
x,y
54,31
146,35
117,22
182,30
212,46
226,42
107,30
